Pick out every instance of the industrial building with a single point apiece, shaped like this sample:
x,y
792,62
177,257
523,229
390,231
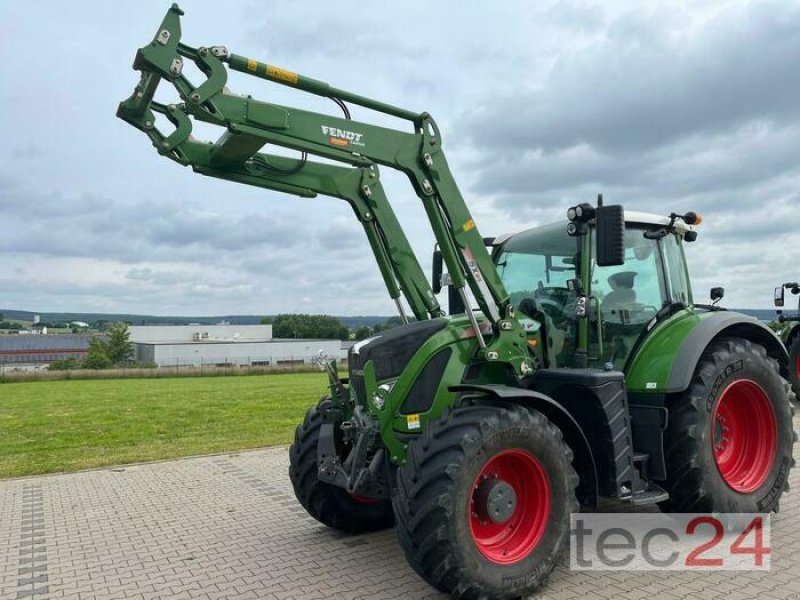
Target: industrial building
x,y
32,350
224,345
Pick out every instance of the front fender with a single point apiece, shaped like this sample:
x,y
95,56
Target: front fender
x,y
584,462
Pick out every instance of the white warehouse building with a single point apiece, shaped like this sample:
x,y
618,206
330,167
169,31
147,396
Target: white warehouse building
x,y
224,345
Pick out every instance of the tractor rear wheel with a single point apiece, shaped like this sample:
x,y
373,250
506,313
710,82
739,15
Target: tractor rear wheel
x,y
729,439
483,502
794,365
330,504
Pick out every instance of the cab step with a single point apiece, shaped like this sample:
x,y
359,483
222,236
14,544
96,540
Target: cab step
x,y
653,494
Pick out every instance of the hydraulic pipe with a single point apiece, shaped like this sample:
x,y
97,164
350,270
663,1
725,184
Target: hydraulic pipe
x,y
314,86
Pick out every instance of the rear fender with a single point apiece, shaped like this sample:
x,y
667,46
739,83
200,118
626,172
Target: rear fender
x,y
583,461
666,360
726,324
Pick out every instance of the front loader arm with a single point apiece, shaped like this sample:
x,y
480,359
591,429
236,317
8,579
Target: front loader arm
x,y
360,187
251,124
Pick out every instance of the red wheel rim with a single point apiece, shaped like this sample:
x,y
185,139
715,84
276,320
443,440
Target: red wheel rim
x,y
744,435
364,499
515,538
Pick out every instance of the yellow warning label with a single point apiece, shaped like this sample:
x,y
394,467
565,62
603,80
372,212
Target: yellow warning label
x,y
282,74
469,225
412,421
252,64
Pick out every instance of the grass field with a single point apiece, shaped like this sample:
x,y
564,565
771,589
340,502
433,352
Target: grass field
x,y
51,426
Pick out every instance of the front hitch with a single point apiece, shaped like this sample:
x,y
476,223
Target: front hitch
x,y
362,471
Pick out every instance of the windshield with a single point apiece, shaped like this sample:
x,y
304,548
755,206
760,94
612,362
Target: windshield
x,y
538,264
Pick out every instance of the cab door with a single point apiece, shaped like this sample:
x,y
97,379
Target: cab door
x,y
626,299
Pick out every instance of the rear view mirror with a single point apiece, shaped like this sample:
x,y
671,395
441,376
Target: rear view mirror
x,y
717,294
610,227
779,296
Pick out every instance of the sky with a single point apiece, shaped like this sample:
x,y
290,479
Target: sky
x,y
661,106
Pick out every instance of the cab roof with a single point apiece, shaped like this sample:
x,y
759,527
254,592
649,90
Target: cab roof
x,y
642,218
632,217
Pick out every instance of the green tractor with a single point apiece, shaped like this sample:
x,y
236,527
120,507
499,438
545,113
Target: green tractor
x,y
791,331
572,362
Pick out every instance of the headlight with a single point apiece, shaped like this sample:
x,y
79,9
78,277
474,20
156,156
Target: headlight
x,y
379,398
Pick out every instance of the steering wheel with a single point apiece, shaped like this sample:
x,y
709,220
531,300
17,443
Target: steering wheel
x,y
552,308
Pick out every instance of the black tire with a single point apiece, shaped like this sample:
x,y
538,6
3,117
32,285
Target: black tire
x,y
329,504
432,502
695,482
794,365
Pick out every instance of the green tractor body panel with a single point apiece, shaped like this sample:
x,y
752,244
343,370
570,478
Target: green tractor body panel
x,y
650,367
440,361
669,354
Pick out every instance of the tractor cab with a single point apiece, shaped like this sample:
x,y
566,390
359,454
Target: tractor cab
x,y
554,277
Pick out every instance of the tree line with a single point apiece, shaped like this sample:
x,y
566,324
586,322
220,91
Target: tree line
x,y
323,327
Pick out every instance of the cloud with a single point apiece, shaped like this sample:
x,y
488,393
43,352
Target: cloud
x,y
334,34
660,106
26,152
652,79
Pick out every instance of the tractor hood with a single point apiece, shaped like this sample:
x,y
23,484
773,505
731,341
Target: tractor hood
x,y
390,352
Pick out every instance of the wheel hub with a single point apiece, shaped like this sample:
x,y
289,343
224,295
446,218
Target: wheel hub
x,y
495,501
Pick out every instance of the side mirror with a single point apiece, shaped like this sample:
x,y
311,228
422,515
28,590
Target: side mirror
x,y
436,272
779,296
610,227
717,294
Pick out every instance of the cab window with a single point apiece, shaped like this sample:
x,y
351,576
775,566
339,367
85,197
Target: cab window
x,y
679,289
632,292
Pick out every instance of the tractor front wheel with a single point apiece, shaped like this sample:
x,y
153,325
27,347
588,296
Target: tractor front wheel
x,y
330,504
729,438
483,502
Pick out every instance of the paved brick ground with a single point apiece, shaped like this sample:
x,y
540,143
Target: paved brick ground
x,y
229,527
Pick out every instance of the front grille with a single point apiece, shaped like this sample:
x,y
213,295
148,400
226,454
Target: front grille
x,y
390,351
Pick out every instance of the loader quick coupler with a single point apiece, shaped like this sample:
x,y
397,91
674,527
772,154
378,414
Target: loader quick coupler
x,y
362,472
